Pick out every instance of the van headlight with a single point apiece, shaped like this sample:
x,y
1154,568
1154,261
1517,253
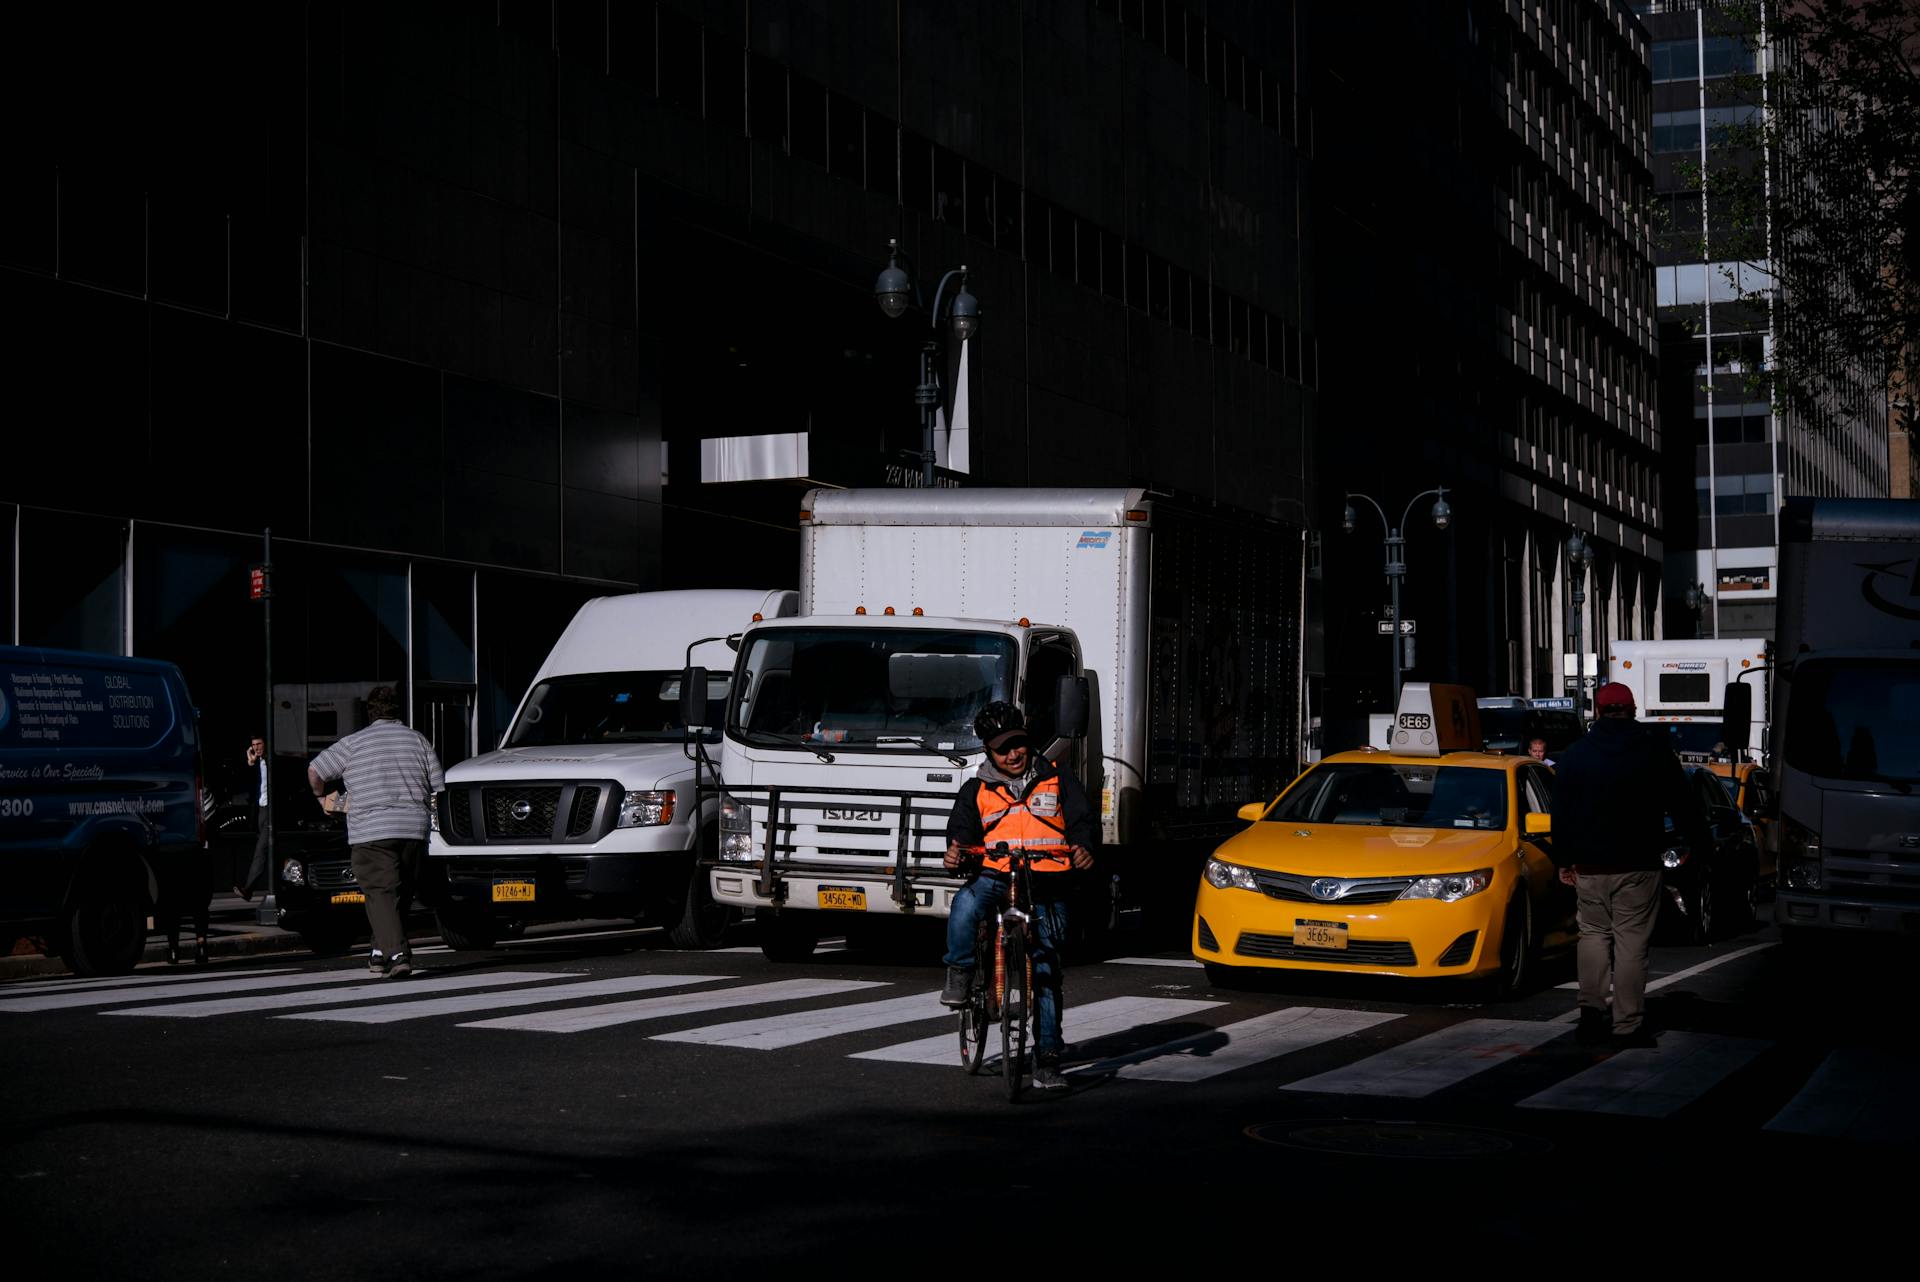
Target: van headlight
x,y
736,831
1449,887
1222,875
646,809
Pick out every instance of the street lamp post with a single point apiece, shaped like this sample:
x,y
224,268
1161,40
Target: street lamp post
x,y
1579,556
894,291
1397,557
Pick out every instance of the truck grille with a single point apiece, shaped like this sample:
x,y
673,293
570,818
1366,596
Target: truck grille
x,y
1358,952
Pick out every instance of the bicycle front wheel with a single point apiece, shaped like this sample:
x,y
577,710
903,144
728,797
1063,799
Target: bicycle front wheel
x,y
975,1019
1014,1012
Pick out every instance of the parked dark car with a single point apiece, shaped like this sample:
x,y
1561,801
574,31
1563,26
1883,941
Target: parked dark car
x,y
1714,890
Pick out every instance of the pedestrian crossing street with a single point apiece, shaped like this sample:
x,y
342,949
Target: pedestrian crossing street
x,y
1853,1093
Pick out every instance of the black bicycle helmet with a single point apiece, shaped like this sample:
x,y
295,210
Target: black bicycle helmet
x,y
1000,725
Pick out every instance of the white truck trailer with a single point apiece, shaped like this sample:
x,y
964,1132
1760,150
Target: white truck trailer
x,y
1682,685
1154,644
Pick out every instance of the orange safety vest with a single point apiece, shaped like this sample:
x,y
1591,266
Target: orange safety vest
x,y
1033,824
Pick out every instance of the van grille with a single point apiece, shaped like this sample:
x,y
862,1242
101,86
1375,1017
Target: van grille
x,y
585,802
520,813
555,812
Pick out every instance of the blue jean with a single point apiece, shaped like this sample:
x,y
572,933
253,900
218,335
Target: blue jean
x,y
980,898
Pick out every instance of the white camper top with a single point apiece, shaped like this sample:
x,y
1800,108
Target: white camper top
x,y
650,631
984,506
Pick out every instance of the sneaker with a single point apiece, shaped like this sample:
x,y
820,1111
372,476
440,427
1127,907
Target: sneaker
x,y
1046,1072
376,962
1638,1040
400,967
955,993
1595,1028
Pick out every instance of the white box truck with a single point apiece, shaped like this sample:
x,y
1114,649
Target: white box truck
x,y
588,810
1176,628
1846,731
1682,685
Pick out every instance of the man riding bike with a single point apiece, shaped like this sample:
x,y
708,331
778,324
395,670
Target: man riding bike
x,y
1023,801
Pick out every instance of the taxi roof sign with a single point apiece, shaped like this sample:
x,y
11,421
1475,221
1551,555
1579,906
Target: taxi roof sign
x,y
1433,719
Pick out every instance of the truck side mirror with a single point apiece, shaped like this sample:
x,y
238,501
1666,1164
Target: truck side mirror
x,y
1071,721
693,699
1737,718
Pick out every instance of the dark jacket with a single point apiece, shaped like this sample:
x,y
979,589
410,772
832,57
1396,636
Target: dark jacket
x,y
1076,811
1612,790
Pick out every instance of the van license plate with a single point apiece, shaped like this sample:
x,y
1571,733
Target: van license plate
x,y
844,897
1320,934
349,897
512,892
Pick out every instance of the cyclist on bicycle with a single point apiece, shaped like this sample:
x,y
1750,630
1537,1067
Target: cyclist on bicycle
x,y
1028,803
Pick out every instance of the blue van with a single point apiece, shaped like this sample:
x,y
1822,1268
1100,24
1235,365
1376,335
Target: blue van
x,y
100,800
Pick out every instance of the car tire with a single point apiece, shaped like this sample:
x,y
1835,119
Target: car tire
x,y
105,932
467,933
1516,951
702,923
1703,912
787,936
1221,975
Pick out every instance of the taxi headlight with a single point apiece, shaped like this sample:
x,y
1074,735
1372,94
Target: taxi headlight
x,y
1222,875
1449,887
646,809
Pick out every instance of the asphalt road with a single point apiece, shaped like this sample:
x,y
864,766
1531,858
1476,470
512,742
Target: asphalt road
x,y
580,1105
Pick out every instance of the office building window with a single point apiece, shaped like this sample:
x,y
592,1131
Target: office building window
x,y
72,581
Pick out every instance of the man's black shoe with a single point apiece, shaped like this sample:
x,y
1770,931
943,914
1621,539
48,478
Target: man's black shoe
x,y
955,993
1640,1040
400,967
1596,1028
1046,1072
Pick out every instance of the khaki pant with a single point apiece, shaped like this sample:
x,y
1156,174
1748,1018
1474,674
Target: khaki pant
x,y
1617,911
387,871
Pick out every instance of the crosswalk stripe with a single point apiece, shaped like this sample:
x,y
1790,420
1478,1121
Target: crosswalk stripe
x,y
1856,1094
1651,1082
796,1027
1083,1023
585,1018
376,989
1427,1064
394,1012
42,987
1251,1041
163,992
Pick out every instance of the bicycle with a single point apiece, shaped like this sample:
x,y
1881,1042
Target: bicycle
x,y
1002,987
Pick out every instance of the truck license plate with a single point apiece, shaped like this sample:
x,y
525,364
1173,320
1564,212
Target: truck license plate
x,y
1320,934
512,892
844,897
349,897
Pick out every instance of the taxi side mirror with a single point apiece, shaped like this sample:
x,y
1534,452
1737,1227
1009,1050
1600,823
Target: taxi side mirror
x,y
1537,825
1254,811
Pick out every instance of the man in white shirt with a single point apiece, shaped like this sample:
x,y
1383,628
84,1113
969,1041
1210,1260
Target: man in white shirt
x,y
261,798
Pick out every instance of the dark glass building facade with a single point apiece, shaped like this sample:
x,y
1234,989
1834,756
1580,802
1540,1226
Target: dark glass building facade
x,y
459,298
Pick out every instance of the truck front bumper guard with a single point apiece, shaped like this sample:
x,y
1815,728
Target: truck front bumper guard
x,y
883,830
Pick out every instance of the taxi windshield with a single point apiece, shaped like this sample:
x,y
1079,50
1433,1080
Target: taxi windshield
x,y
1397,796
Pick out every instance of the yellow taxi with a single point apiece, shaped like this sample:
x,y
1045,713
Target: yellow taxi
x,y
1426,860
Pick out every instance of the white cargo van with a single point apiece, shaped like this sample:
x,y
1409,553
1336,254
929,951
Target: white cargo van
x,y
588,808
1154,644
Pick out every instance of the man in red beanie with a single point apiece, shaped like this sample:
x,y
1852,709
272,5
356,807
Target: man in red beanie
x,y
1612,791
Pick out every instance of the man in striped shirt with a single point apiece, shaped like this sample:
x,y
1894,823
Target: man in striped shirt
x,y
391,773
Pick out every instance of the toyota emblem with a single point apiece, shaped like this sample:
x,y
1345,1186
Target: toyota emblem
x,y
521,809
1326,888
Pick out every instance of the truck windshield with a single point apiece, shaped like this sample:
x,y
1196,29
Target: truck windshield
x,y
870,688
608,707
1397,796
1698,738
1856,719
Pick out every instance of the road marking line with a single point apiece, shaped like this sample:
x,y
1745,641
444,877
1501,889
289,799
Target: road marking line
x,y
1149,961
376,988
138,981
1427,1064
160,992
1651,1082
1676,977
1251,1041
1083,1024
394,1012
585,1018
777,1031
1857,1093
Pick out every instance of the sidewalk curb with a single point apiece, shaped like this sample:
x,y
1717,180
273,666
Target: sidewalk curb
x,y
271,940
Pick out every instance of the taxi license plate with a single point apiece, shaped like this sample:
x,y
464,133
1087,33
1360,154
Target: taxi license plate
x,y
512,892
349,897
845,897
1320,934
